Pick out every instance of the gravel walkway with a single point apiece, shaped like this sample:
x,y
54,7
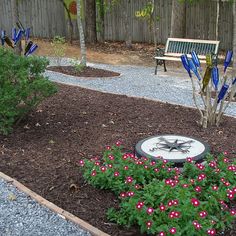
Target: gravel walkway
x,y
172,86
20,215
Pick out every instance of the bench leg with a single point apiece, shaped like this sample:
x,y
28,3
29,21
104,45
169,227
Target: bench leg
x,y
164,63
156,67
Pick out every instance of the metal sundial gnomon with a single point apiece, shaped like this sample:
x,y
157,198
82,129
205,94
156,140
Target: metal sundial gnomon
x,y
172,145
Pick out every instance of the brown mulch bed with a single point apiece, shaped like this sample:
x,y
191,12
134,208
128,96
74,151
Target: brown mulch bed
x,y
42,153
85,72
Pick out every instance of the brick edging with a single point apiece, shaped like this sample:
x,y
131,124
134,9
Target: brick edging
x,y
42,201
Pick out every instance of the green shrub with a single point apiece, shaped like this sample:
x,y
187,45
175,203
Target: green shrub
x,y
160,199
22,87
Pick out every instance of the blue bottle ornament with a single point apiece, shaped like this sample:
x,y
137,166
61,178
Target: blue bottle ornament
x,y
32,49
3,35
193,68
222,92
18,36
215,77
234,81
228,58
195,59
13,34
185,63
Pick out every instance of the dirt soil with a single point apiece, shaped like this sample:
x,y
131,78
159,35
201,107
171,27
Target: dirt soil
x,y
44,150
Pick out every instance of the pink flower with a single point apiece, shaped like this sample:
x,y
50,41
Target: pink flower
x,y
130,194
212,164
118,143
116,174
173,230
170,203
123,194
226,153
226,160
111,157
175,202
162,233
201,177
233,212
152,163
215,188
189,159
185,185
150,210
108,147
149,224
200,166
94,173
139,206
103,168
162,207
126,167
198,189
202,214
174,214
146,167
137,186
195,202
97,163
125,156
156,169
110,165
227,184
129,179
211,232
81,162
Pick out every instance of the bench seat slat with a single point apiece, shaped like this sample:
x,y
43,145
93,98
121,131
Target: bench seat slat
x,y
174,59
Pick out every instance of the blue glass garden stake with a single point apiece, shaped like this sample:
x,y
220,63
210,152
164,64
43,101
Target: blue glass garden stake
x,y
234,81
215,77
193,68
195,59
228,58
3,35
185,63
18,36
32,49
13,34
222,92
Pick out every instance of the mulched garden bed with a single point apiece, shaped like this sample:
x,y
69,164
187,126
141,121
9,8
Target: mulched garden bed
x,y
43,151
85,72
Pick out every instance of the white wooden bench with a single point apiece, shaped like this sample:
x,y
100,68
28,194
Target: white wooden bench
x,y
175,47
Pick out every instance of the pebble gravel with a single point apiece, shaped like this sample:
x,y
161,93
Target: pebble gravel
x,y
20,215
173,86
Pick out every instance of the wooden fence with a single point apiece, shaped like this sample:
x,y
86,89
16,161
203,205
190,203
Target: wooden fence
x,y
47,18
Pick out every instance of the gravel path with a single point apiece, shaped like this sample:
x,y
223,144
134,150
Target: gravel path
x,y
172,87
20,215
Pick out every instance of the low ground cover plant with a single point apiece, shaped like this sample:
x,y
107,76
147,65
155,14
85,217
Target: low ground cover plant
x,y
161,199
22,87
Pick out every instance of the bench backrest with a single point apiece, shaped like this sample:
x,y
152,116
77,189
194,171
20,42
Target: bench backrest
x,y
178,46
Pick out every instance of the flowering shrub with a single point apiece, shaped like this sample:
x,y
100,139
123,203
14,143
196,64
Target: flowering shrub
x,y
161,199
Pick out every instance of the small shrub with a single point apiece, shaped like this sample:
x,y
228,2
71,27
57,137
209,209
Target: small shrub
x,y
160,199
22,87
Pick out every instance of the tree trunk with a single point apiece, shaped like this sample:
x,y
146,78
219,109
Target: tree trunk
x,y
101,19
83,61
90,19
15,19
178,19
128,36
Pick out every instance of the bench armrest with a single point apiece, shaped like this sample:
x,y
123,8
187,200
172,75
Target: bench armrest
x,y
160,52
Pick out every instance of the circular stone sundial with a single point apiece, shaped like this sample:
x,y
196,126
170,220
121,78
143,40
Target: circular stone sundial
x,y
174,148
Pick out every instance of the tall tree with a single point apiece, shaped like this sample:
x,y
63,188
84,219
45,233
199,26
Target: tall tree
x,y
127,22
15,19
101,19
178,19
234,39
90,21
83,61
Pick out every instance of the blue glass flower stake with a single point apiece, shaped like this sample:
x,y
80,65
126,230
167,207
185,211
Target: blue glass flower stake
x,y
18,36
32,49
193,68
215,77
234,81
195,59
228,58
3,35
222,92
185,63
